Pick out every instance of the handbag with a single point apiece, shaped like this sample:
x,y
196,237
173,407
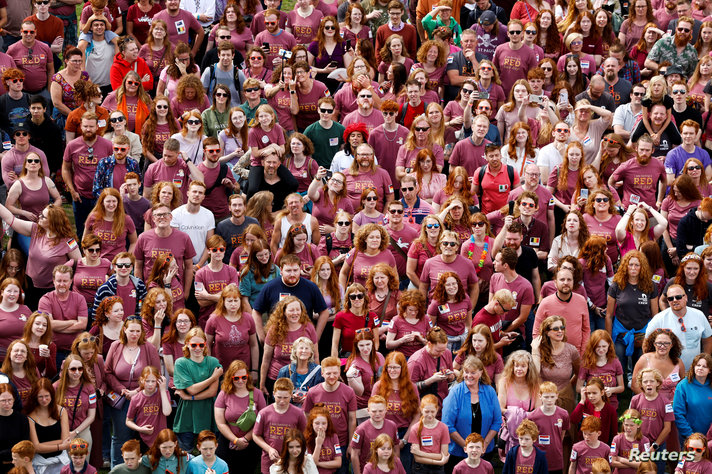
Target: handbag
x,y
248,418
116,400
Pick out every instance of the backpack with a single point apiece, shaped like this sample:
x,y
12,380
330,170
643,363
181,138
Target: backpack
x,y
481,175
235,77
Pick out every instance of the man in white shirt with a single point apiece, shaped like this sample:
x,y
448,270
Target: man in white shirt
x,y
195,220
552,155
626,116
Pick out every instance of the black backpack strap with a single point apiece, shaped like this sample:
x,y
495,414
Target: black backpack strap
x,y
329,243
222,174
510,173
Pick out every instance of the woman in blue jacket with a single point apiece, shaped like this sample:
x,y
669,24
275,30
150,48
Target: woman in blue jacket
x,y
470,407
693,399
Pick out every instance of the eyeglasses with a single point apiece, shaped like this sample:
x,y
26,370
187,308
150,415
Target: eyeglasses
x,y
93,250
220,94
197,345
558,328
516,32
132,83
123,265
602,200
76,369
356,296
530,32
238,378
32,160
679,92
683,30
21,134
270,23
161,215
449,244
395,211
217,249
694,167
119,119
121,149
326,111
682,323
528,204
162,107
252,89
432,226
662,344
408,189
675,297
329,27
371,198
15,81
343,223
422,129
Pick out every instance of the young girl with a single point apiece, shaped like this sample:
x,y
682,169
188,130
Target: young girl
x,y
362,366
631,438
78,450
655,409
265,136
594,402
149,408
696,443
526,457
597,267
165,455
294,458
599,360
322,441
383,458
368,212
429,442
207,462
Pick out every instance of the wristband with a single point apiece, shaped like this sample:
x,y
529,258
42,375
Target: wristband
x,y
192,397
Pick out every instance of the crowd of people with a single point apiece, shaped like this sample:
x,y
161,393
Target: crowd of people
x,y
436,236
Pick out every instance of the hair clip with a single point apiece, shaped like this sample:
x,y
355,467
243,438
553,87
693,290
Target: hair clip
x,y
628,416
691,256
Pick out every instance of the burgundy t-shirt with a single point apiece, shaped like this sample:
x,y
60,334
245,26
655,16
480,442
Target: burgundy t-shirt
x,y
340,403
232,339
71,310
608,375
150,246
214,282
622,447
584,455
111,244
551,434
273,427
393,406
308,113
304,29
607,230
148,410
235,406
362,263
521,289
463,468
400,327
366,434
653,414
283,349
640,180
430,439
434,267
451,316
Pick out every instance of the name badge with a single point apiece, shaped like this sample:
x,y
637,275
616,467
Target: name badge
x,y
265,139
675,377
634,199
334,141
178,182
534,241
444,308
101,123
544,440
180,27
503,188
584,64
283,295
426,440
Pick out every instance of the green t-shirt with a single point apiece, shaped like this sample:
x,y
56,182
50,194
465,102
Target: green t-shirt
x,y
193,416
430,24
215,122
326,142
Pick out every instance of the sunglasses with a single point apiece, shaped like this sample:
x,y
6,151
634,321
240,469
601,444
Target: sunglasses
x,y
409,188
558,328
237,378
365,96
372,198
220,94
546,69
432,226
22,134
639,94
683,30
88,340
389,113
484,107
270,23
363,330
121,148
679,92
528,204
343,223
132,83
217,249
252,89
329,27
93,250
516,32
530,32
562,130
42,2
134,318
123,265
682,323
487,68
256,58
676,297
395,211
212,151
33,160
602,199
479,224
356,296
422,129
449,244
119,119
694,167
326,111
79,446
162,107
696,450
193,122
197,345
224,37
32,32
15,81
76,369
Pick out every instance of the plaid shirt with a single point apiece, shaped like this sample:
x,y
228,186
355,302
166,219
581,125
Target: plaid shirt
x,y
630,72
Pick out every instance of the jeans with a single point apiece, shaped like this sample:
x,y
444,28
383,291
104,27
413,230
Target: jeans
x,y
121,433
596,321
186,441
82,208
405,456
620,353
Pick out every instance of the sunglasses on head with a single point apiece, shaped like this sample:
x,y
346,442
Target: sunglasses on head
x,y
356,296
134,318
88,340
363,330
197,345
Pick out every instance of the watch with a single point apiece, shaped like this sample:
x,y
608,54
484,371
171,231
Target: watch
x,y
655,446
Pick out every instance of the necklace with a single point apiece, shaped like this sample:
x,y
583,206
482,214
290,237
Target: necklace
x,y
395,135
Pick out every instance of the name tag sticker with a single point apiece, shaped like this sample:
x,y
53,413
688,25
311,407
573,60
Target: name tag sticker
x,y
178,182
634,199
675,377
180,27
584,64
534,241
544,440
657,278
426,440
334,141
503,188
444,308
283,295
101,123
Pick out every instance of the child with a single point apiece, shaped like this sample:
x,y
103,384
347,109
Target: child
x,y
594,402
322,441
383,457
701,464
78,450
656,411
294,457
22,455
207,462
429,442
599,360
165,455
631,438
131,452
553,422
369,430
473,464
525,458
584,452
149,408
274,421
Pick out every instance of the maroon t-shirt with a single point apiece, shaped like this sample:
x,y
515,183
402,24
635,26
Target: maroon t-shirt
x,y
232,339
434,267
640,180
214,282
393,405
451,316
87,280
111,244
148,410
584,455
551,434
273,426
283,349
308,113
340,403
400,327
366,434
653,414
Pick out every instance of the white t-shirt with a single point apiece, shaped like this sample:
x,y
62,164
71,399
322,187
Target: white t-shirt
x,y
549,157
696,325
195,225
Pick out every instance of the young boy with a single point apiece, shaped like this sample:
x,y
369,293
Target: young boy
x,y
553,422
131,452
274,421
473,464
22,454
525,458
584,452
78,450
134,204
366,433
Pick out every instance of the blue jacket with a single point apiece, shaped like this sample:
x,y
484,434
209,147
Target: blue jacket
x,y
104,176
540,464
457,414
688,395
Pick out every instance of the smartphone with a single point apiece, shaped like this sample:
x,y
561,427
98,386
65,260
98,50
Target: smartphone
x,y
265,45
348,44
326,178
511,207
333,64
584,193
563,96
199,286
535,99
483,95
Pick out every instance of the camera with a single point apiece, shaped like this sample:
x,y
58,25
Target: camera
x,y
285,54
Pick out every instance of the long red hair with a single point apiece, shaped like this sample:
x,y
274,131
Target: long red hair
x,y
700,285
409,400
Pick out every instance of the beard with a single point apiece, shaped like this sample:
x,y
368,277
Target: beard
x,y
89,136
611,76
681,39
644,160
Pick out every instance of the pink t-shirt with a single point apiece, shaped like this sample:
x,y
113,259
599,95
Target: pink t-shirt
x,y
434,267
406,158
71,310
232,339
451,316
363,263
608,374
640,180
304,29
463,468
304,174
366,434
378,179
430,440
513,64
308,113
11,325
373,120
150,246
621,446
324,209
235,406
282,40
551,434
403,239
239,40
653,414
422,366
178,174
521,289
584,455
280,102
330,449
84,162
273,426
128,293
283,349
367,375
214,282
385,146
88,279
148,410
111,244
394,411
675,213
216,201
702,467
400,327
571,178
180,25
468,155
340,403
607,230
258,138
595,282
33,62
374,469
